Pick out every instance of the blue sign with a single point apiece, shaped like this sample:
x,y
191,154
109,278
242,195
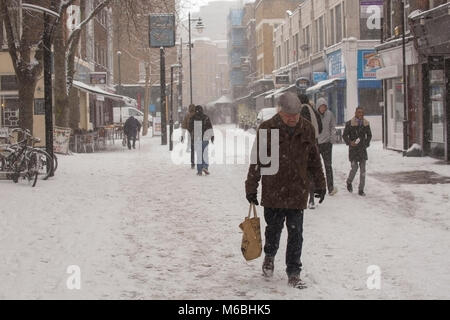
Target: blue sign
x,y
320,76
152,108
336,68
162,30
368,64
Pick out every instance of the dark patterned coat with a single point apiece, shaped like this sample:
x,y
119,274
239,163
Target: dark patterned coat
x,y
299,161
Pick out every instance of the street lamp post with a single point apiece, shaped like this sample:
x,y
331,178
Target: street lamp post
x,y
119,89
200,27
171,105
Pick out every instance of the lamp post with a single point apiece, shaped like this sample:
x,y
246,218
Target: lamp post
x,y
119,88
48,89
171,104
405,84
200,27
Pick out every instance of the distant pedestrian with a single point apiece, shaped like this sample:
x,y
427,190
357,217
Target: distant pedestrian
x,y
309,113
201,130
326,140
285,193
185,128
357,135
131,128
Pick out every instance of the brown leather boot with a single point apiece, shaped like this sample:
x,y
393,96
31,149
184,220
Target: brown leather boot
x,y
268,267
296,282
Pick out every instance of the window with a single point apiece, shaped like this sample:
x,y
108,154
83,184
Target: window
x,y
9,83
332,28
338,13
296,44
321,31
306,41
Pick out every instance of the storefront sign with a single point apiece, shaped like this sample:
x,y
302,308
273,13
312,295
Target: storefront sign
x,y
283,79
162,30
61,140
368,64
389,72
336,68
98,77
319,76
157,129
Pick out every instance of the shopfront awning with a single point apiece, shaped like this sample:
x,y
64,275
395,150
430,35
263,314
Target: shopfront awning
x,y
321,85
277,93
91,89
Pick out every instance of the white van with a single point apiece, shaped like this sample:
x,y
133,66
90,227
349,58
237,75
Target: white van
x,y
128,112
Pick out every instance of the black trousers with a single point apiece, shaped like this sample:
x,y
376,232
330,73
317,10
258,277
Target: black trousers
x,y
192,152
275,219
131,138
326,151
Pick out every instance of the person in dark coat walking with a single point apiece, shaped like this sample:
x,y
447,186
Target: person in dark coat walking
x,y
201,130
357,135
185,127
285,192
131,128
309,113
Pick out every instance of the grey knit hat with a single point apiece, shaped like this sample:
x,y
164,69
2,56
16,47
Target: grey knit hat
x,y
289,103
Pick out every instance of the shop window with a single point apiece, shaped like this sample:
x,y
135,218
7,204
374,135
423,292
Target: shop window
x,y
39,107
10,111
369,99
9,83
437,93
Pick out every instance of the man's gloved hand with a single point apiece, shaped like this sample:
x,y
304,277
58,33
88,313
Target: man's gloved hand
x,y
320,194
212,140
253,198
182,139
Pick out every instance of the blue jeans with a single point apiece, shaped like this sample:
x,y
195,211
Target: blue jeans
x,y
201,151
275,219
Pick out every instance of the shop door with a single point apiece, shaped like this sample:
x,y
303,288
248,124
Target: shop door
x,y
447,108
395,116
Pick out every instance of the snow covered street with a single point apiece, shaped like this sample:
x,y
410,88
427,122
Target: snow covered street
x,y
141,227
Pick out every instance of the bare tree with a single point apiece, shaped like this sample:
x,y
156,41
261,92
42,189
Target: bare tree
x,y
65,48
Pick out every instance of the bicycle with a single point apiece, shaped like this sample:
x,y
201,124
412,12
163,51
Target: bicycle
x,y
19,161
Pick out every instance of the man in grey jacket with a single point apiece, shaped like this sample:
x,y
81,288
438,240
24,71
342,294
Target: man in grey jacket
x,y
326,140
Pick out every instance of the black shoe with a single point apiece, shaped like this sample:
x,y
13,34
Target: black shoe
x,y
268,267
296,282
199,174
350,187
362,194
192,166
205,171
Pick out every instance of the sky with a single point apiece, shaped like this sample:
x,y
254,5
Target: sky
x,y
194,5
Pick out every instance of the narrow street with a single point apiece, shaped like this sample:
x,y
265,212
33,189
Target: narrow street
x,y
141,227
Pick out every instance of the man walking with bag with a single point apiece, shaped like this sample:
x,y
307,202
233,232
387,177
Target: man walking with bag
x,y
357,135
285,193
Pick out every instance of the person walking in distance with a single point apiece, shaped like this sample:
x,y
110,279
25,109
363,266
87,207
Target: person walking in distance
x,y
201,130
184,129
358,135
131,129
326,140
285,191
309,113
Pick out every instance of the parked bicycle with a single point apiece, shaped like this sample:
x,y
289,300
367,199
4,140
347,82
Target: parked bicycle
x,y
23,160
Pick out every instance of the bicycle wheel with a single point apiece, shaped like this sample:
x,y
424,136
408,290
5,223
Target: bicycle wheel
x,y
44,163
55,163
32,173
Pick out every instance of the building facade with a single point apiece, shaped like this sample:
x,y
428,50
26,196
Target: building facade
x,y
326,48
423,121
